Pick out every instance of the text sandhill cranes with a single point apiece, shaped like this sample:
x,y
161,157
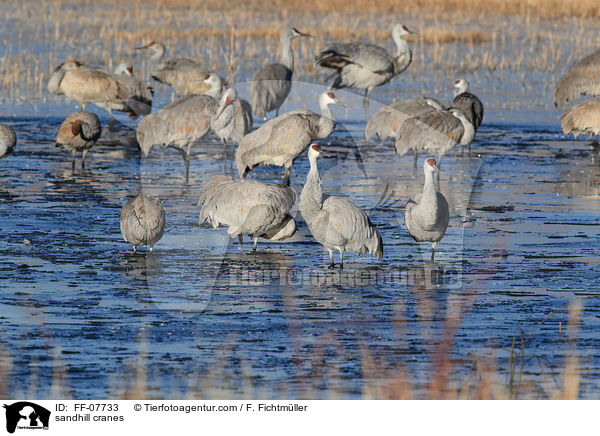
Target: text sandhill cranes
x,y
272,83
434,130
335,222
142,221
387,121
185,76
427,218
248,206
583,78
178,125
79,132
281,140
87,85
8,140
364,66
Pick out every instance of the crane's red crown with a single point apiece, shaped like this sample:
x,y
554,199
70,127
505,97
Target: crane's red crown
x,y
431,162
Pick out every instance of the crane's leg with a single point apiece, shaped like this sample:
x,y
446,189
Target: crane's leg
x,y
83,159
366,103
341,250
73,161
240,240
276,112
134,249
225,156
331,264
416,156
255,242
151,248
433,247
111,121
186,158
286,175
82,107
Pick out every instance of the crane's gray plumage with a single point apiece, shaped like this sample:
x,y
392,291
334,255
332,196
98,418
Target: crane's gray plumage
x,y
139,93
335,222
8,140
232,120
365,66
583,78
185,76
427,218
469,103
142,221
272,83
178,125
386,123
248,206
281,140
583,118
106,90
434,130
79,132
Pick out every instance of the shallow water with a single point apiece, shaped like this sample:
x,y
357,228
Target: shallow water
x,y
204,318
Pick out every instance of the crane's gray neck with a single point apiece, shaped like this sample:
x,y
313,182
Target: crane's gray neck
x,y
430,187
469,131
311,196
224,117
55,80
326,121
287,55
403,56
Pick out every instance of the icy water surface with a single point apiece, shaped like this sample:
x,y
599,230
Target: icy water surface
x,y
205,318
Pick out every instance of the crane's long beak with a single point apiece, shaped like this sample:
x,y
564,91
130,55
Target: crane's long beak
x,y
142,47
298,33
340,102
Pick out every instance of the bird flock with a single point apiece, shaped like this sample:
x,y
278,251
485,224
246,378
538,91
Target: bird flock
x,y
207,104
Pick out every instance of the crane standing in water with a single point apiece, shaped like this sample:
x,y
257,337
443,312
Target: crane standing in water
x,y
364,66
272,83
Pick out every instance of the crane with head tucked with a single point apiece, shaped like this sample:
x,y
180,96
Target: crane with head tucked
x,y
79,132
364,66
468,102
142,221
248,206
185,76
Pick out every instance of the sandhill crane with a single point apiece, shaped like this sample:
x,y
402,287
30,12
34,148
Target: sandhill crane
x,y
272,83
79,132
583,118
427,218
142,221
387,121
232,120
241,120
140,94
87,85
435,130
178,125
335,222
185,76
364,66
470,104
248,206
281,140
8,140
583,78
